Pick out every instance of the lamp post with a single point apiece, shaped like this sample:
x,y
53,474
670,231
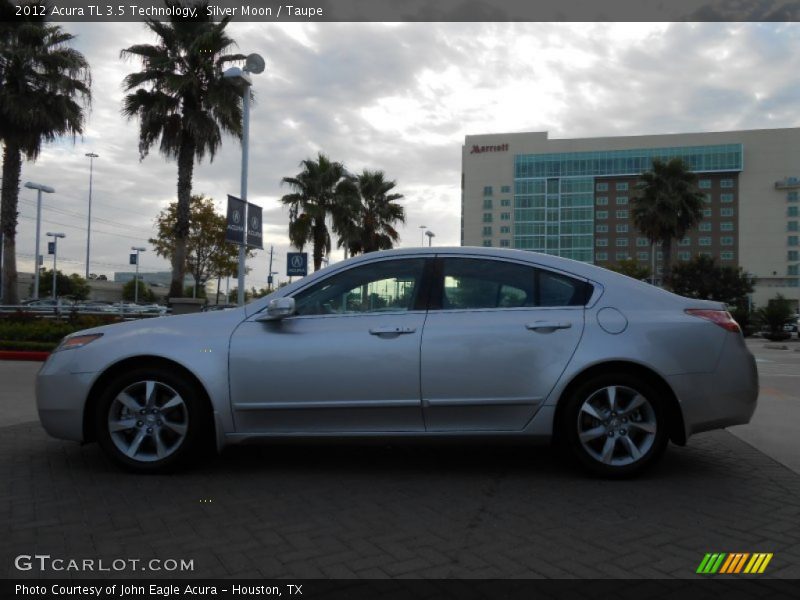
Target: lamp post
x,y
39,187
422,229
136,249
91,156
430,235
55,237
241,78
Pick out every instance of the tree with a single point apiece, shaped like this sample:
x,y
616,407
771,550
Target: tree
x,y
207,254
703,278
145,293
44,86
72,286
777,313
322,189
631,268
371,226
667,205
183,103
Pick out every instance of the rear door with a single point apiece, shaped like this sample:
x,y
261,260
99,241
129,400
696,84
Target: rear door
x,y
497,338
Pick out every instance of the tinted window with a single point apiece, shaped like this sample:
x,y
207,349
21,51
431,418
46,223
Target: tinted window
x,y
474,283
385,286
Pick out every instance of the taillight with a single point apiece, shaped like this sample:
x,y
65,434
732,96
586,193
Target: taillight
x,y
721,317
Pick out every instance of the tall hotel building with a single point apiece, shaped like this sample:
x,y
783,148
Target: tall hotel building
x,y
571,197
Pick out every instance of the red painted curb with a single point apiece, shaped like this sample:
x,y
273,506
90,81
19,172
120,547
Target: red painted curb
x,y
23,355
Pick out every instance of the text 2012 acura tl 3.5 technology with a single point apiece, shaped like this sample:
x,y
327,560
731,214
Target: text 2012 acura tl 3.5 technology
x,y
419,343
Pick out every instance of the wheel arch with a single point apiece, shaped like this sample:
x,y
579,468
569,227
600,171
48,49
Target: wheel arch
x,y
676,426
134,362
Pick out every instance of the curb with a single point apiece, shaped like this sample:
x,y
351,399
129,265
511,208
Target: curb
x,y
23,355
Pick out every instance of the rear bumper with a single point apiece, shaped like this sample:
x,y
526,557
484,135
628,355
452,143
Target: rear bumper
x,y
723,398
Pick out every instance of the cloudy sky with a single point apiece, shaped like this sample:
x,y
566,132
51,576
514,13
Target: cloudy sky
x,y
401,98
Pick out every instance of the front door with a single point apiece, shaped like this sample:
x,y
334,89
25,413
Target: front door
x,y
348,361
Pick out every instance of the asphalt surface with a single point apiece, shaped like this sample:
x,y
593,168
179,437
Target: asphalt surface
x,y
407,510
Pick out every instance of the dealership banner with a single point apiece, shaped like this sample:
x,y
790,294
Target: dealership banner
x,y
234,231
255,237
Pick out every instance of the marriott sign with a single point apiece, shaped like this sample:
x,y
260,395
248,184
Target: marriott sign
x,y
481,149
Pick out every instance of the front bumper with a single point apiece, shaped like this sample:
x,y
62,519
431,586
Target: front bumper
x,y
61,397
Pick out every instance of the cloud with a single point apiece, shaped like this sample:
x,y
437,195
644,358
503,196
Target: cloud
x,y
401,97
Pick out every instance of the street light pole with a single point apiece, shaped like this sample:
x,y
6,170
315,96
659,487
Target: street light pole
x,y
91,156
254,64
47,190
136,249
422,229
430,235
55,237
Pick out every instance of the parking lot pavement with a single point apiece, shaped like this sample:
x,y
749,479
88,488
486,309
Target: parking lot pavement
x,y
773,429
17,400
474,510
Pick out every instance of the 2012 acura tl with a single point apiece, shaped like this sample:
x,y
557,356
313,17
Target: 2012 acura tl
x,y
417,342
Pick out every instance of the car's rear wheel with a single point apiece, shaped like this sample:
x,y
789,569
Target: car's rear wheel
x,y
616,424
151,419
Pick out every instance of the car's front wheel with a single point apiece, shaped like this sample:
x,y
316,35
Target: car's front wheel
x,y
151,419
616,424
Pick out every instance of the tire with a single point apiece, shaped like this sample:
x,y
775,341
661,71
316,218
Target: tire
x,y
152,420
615,424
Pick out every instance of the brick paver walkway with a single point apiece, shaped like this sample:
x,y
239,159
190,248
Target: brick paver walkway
x,y
403,511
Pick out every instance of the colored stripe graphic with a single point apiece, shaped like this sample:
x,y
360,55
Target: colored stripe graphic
x,y
759,562
711,563
730,564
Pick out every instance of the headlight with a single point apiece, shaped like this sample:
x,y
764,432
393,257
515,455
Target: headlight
x,y
77,341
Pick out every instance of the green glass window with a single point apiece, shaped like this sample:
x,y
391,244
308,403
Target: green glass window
x,y
704,241
705,226
792,255
791,211
487,204
622,241
726,212
642,242
487,230
622,186
505,243
621,256
622,214
602,187
622,228
505,229
684,255
726,183
726,240
601,256
792,270
602,214
706,212
791,226
685,242
505,202
622,199
487,243
601,242
601,228
704,184
726,226
643,255
726,197
487,217
602,200
505,216
505,189
487,190
791,197
726,255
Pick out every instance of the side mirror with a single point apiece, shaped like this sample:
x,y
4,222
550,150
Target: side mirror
x,y
277,309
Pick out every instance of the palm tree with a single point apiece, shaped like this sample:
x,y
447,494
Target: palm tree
x,y
322,189
372,227
183,103
667,205
44,87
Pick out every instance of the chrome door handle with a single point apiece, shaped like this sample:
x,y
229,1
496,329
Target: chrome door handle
x,y
548,325
392,330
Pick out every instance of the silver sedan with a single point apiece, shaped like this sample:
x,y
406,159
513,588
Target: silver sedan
x,y
437,342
